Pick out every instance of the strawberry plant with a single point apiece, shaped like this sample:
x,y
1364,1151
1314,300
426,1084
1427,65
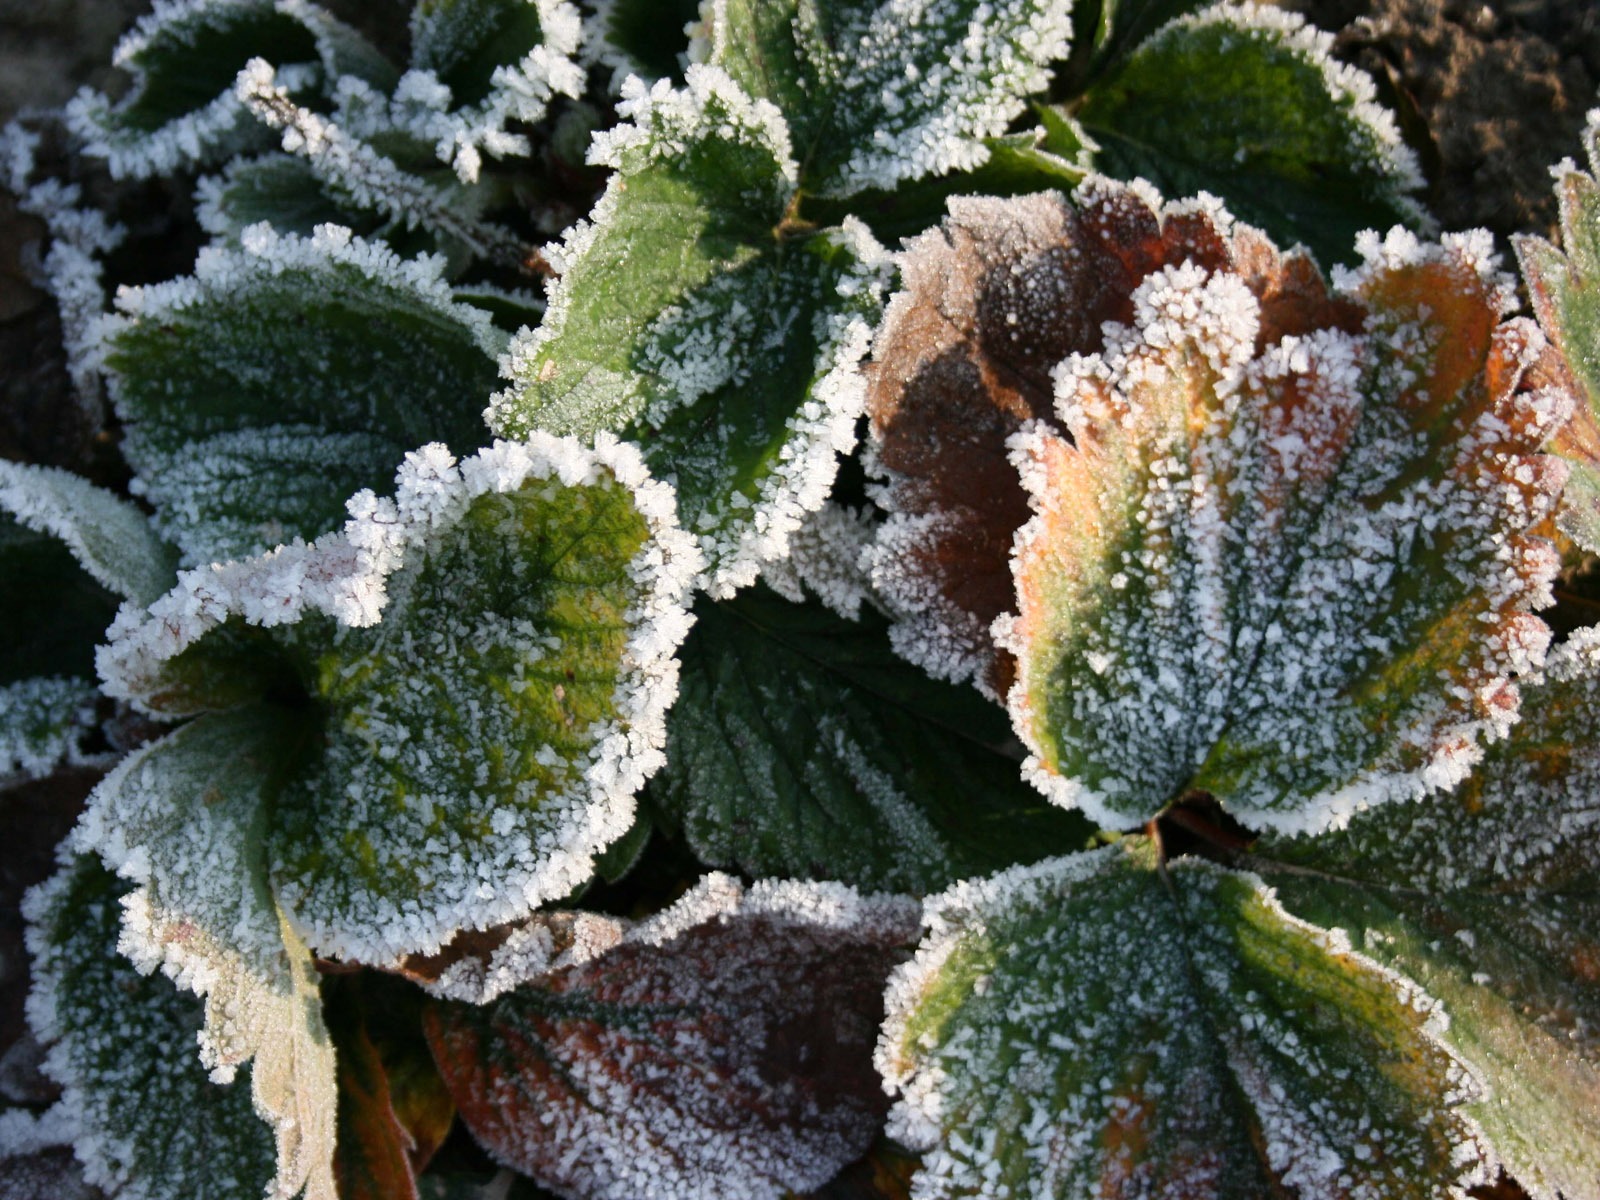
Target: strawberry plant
x,y
911,666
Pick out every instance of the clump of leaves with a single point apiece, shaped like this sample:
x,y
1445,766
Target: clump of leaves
x,y
1149,772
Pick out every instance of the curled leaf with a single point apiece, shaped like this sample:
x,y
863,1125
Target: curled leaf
x,y
485,661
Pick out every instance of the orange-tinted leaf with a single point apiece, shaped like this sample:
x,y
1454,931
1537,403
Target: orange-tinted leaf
x,y
724,1048
1293,573
991,302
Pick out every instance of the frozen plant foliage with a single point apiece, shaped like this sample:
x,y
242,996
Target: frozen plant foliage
x,y
1106,1022
188,49
716,1050
185,819
149,1123
1292,571
680,320
462,103
1564,285
244,438
878,94
529,599
69,553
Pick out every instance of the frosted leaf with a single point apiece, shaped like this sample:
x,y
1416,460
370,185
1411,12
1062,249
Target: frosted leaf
x,y
989,304
801,746
1564,286
108,537
880,94
825,560
1486,897
69,552
277,188
45,721
1249,102
365,180
185,819
680,321
1104,1025
1291,572
489,656
183,56
149,1123
722,1049
500,62
284,376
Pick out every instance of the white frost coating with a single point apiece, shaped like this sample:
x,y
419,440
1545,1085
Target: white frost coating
x,y
43,723
1382,149
23,1133
221,124
1260,536
521,90
221,272
353,168
825,556
659,118
182,818
738,1079
345,576
914,86
110,538
550,942
1048,1032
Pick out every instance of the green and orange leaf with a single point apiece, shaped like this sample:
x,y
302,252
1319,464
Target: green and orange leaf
x,y
1295,573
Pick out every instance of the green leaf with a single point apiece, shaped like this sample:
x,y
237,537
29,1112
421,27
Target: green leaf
x,y
740,1021
1486,897
281,189
69,552
284,376
150,1124
1104,1024
485,662
688,318
180,110
802,746
1249,104
501,61
186,819
1291,571
1564,286
877,95
1117,27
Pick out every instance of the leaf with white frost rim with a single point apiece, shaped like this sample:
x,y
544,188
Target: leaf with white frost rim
x,y
284,376
69,552
876,95
1486,897
477,66
720,1050
1103,1024
490,656
1294,575
148,1124
185,819
183,55
681,320
1249,102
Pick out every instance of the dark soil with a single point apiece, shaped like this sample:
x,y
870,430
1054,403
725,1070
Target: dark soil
x,y
1489,94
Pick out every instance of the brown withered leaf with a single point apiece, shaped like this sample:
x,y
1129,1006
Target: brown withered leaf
x,y
991,303
724,1047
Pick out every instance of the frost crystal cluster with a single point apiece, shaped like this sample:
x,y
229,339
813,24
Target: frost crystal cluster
x,y
723,602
